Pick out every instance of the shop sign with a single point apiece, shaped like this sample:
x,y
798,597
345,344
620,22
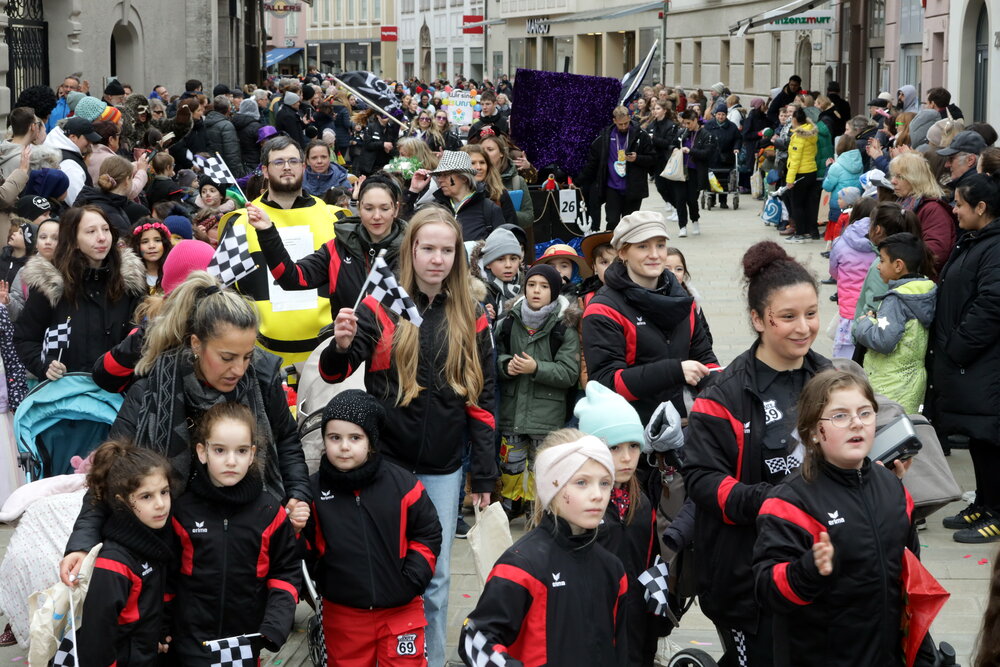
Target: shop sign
x,y
816,19
472,18
537,26
390,33
281,8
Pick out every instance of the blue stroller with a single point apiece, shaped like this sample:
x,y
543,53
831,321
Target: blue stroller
x,y
62,419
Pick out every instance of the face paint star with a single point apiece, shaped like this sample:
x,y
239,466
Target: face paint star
x,y
883,322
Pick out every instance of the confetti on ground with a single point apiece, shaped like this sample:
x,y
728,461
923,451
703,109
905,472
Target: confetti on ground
x,y
701,643
983,561
17,659
924,546
967,556
466,595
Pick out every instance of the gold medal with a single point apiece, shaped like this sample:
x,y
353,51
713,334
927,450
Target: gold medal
x,y
621,156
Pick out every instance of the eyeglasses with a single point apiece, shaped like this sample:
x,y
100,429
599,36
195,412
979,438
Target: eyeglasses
x,y
845,419
291,162
441,117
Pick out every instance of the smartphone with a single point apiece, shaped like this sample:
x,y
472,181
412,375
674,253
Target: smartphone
x,y
896,441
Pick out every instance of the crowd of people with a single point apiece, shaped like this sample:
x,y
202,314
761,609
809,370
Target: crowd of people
x,y
579,388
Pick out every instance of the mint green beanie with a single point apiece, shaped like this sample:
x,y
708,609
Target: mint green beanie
x,y
608,416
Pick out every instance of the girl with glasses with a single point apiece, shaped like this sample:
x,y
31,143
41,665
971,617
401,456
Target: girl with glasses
x,y
833,538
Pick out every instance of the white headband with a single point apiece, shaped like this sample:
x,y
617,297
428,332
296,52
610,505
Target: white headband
x,y
555,465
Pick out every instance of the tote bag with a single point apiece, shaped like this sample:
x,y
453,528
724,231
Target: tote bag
x,y
674,171
488,539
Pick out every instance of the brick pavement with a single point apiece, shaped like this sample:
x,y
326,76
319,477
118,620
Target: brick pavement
x,y
713,259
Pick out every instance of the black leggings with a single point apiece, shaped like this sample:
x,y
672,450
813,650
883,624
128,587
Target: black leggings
x,y
803,205
985,463
686,199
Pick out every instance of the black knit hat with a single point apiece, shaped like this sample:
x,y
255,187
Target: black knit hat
x,y
359,408
114,87
550,274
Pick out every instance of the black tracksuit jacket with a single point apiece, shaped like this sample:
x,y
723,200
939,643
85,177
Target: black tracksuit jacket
x,y
552,599
374,533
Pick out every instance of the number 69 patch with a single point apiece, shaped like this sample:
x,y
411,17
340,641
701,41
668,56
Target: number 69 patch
x,y
406,644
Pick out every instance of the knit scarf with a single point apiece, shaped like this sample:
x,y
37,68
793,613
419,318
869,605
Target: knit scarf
x,y
244,491
534,319
666,306
911,202
349,480
123,527
175,399
620,501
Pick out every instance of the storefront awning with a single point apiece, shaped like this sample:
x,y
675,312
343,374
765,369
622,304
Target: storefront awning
x,y
480,24
275,56
785,11
609,13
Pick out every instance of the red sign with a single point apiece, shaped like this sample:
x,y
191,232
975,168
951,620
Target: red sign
x,y
390,33
472,18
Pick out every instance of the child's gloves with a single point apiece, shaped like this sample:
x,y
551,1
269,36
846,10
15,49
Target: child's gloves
x,y
663,433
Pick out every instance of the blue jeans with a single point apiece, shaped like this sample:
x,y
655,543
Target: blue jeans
x,y
443,491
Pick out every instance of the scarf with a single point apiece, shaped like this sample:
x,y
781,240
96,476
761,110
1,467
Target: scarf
x,y
243,492
175,399
349,480
910,202
534,319
666,306
123,527
620,501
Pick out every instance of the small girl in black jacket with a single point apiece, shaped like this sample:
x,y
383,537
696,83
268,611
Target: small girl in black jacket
x,y
125,623
20,245
831,538
239,571
556,597
375,539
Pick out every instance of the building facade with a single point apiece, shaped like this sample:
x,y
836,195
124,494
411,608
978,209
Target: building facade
x,y
433,43
347,35
973,71
285,24
140,42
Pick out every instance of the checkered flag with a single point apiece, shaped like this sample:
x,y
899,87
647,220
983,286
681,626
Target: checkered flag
x,y
232,260
232,651
654,581
56,339
388,292
65,655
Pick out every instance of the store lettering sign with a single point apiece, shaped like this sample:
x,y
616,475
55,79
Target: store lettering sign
x,y
281,8
817,19
537,26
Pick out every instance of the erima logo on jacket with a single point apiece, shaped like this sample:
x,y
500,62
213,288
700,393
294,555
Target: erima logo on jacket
x,y
835,518
639,322
556,583
146,569
326,495
199,527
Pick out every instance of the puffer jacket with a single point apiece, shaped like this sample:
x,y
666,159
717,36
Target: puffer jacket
x,y
318,184
121,212
478,214
850,258
726,476
222,139
96,323
428,435
727,142
802,152
844,173
627,352
896,340
246,129
536,404
852,616
514,181
964,357
937,229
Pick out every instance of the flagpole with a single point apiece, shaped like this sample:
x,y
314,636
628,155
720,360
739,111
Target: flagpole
x,y
237,637
368,279
370,103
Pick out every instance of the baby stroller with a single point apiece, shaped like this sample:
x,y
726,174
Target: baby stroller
x,y
729,181
61,419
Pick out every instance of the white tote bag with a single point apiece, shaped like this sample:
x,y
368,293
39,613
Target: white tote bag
x,y
489,538
674,171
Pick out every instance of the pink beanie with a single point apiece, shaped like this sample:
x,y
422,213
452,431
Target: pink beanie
x,y
184,257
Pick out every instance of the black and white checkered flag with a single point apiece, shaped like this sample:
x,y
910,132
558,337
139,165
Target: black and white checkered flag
x,y
56,339
65,655
232,651
232,260
654,581
216,169
388,292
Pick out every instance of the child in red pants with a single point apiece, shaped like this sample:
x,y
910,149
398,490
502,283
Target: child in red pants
x,y
374,536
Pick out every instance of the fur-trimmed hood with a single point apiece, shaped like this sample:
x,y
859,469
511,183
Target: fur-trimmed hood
x,y
41,274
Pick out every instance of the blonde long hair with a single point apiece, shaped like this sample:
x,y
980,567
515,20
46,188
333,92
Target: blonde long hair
x,y
432,129
462,369
493,183
913,168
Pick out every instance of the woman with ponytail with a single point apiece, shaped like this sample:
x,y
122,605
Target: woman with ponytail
x,y
435,382
111,194
740,443
200,351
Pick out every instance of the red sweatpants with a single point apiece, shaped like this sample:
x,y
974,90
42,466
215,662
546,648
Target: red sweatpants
x,y
366,637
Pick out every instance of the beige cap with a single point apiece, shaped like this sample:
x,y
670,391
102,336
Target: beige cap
x,y
639,226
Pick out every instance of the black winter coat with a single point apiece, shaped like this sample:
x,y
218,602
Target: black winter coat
x,y
552,599
374,534
125,601
96,323
964,361
428,435
497,122
753,124
781,100
727,140
663,135
724,475
342,127
113,370
702,153
628,352
373,156
594,177
342,264
10,265
843,108
852,616
223,139
478,216
239,567
246,129
287,120
121,211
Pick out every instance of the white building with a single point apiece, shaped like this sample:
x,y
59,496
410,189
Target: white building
x,y
432,43
347,35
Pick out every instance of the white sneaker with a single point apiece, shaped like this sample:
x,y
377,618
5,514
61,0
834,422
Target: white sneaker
x,y
683,233
695,229
672,217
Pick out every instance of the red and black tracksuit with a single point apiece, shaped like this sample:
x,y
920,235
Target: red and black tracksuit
x,y
852,616
123,610
725,475
375,538
627,351
426,436
115,369
636,546
342,263
553,599
239,572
